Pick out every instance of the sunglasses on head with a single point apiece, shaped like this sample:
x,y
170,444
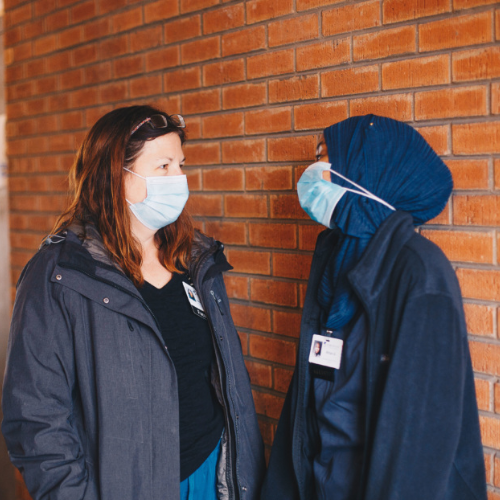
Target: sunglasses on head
x,y
160,121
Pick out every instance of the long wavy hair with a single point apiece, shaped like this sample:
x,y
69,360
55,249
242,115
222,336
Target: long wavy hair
x,y
98,191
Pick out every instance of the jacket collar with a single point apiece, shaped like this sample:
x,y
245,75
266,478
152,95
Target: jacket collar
x,y
371,273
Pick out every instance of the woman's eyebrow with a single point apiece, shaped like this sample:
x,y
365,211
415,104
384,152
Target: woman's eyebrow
x,y
169,159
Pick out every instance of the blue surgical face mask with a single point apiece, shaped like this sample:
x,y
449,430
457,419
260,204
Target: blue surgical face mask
x,y
166,197
319,197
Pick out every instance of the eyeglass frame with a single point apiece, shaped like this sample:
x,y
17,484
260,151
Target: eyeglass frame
x,y
179,118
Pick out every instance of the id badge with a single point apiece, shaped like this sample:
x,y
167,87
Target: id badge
x,y
194,300
326,351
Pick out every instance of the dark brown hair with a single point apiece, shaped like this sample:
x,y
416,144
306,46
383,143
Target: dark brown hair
x,y
98,191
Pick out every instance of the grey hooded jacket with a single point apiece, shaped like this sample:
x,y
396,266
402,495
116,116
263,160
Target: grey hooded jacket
x,y
90,393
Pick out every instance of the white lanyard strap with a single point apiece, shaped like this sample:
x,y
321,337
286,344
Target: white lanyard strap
x,y
363,192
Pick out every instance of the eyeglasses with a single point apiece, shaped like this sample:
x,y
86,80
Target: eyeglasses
x,y
160,121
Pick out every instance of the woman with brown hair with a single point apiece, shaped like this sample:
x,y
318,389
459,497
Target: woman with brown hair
x,y
125,377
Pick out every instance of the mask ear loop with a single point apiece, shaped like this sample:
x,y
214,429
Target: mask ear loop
x,y
124,168
364,192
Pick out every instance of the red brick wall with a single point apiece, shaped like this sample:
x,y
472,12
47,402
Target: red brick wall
x,y
257,81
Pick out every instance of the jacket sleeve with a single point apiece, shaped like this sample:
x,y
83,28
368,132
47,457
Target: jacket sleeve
x,y
419,422
38,392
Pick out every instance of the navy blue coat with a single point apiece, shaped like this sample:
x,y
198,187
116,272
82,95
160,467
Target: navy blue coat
x,y
90,394
421,428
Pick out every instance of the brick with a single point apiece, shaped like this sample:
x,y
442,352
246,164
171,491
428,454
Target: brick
x,y
488,458
206,153
244,151
497,174
479,64
45,45
438,138
183,29
226,125
269,349
71,121
43,7
320,55
106,6
20,52
33,29
444,218
127,20
83,12
200,50
479,319
261,10
385,43
160,10
282,379
250,262
146,39
268,121
242,96
482,210
395,11
71,79
476,138
18,15
286,206
479,284
483,393
13,36
146,86
192,5
20,91
469,174
96,29
253,318
397,106
273,235
260,374
97,73
33,68
312,4
84,55
223,72
128,66
230,233
296,29
463,246
419,72
280,293
289,265
450,103
495,98
237,288
298,148
308,234
268,178
268,405
113,47
321,115
468,4
166,57
224,19
497,24
223,179
456,32
351,18
350,81
497,405
246,205
182,79
46,85
243,41
206,205
201,102
271,63
287,323
294,89
485,357
267,431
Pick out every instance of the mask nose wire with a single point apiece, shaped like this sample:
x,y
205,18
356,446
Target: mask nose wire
x,y
364,192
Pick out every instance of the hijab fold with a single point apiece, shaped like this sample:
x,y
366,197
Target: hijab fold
x,y
393,161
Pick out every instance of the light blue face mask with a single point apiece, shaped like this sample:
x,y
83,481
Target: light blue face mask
x,y
319,198
165,199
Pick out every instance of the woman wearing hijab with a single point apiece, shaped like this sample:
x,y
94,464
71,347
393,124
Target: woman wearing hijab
x,y
388,410
125,377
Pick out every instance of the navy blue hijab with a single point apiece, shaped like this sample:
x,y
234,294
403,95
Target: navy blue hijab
x,y
393,161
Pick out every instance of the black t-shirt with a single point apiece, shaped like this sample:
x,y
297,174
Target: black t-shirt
x,y
189,342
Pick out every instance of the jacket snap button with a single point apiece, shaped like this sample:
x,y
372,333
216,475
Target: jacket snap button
x,y
130,326
105,300
58,277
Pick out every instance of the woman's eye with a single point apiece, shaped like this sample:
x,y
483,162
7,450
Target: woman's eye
x,y
163,166
318,157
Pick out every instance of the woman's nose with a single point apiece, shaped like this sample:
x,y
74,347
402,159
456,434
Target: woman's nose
x,y
174,169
